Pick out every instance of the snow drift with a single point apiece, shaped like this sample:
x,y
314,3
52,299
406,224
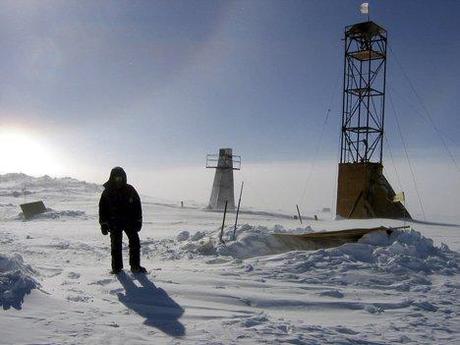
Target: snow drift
x,y
16,281
54,214
253,290
17,185
402,252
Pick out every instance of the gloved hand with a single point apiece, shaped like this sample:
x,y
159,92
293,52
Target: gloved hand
x,y
137,226
105,229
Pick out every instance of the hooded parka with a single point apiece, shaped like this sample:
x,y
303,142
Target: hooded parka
x,y
120,210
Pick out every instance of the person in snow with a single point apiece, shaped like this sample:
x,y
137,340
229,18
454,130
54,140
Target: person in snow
x,y
120,210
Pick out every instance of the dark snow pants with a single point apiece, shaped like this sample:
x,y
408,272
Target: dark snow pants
x,y
116,240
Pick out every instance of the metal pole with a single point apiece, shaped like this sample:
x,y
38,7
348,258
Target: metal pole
x,y
223,224
342,158
298,212
384,44
238,211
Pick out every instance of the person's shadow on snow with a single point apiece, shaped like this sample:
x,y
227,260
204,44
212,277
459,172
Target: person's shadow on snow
x,y
158,308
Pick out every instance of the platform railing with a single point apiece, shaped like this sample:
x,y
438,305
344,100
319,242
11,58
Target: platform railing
x,y
228,162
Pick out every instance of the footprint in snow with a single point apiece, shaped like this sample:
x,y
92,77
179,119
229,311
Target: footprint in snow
x,y
332,293
79,298
73,275
102,282
373,309
345,330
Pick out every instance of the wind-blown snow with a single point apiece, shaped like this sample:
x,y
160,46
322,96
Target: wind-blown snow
x,y
250,241
16,281
400,252
20,184
53,214
384,289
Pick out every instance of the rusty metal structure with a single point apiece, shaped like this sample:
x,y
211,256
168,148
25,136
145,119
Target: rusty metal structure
x,y
363,191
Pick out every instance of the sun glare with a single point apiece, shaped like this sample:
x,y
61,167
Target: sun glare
x,y
23,151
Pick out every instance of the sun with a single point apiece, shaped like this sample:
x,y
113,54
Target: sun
x,y
22,150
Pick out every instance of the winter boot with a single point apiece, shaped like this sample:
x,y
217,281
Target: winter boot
x,y
116,270
138,269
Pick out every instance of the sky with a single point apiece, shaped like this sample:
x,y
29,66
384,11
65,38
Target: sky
x,y
154,86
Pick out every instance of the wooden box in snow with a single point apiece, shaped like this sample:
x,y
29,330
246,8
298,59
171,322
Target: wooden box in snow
x,y
31,209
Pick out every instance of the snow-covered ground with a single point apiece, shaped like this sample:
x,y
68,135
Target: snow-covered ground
x,y
55,286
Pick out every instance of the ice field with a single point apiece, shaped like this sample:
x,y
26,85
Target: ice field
x,y
55,286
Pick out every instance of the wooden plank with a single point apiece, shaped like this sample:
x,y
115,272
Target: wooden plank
x,y
327,239
337,233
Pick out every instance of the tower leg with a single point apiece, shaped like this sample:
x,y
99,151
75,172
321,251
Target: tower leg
x,y
364,192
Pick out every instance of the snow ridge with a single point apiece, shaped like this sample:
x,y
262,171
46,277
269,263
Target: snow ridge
x,y
404,254
18,184
16,281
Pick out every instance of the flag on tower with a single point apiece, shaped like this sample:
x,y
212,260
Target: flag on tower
x,y
364,8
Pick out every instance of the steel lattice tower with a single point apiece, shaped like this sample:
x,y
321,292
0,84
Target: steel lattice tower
x,y
363,93
362,189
